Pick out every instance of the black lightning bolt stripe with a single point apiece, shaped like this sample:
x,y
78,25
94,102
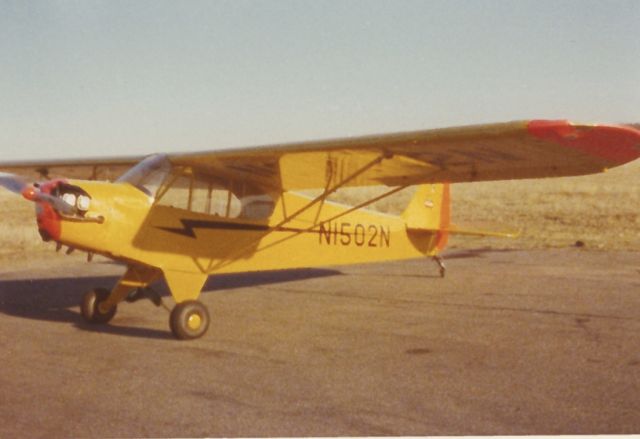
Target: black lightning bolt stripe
x,y
188,227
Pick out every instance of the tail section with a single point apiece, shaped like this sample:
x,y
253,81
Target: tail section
x,y
430,211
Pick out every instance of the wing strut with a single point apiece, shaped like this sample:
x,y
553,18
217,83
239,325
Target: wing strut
x,y
335,217
323,197
319,199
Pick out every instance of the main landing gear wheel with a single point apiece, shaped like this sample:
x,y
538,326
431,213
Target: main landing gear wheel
x,y
189,320
90,306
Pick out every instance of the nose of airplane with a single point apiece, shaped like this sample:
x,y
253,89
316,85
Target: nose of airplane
x,y
48,206
47,217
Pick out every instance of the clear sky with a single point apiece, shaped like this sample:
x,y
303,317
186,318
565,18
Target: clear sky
x,y
95,78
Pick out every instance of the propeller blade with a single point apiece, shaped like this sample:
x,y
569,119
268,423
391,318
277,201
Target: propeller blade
x,y
17,185
13,183
58,203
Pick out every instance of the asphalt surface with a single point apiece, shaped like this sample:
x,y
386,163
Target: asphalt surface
x,y
510,342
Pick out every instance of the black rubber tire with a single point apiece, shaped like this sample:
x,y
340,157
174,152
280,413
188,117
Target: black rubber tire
x,y
183,317
91,311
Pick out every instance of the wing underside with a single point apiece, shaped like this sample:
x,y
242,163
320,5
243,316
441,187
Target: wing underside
x,y
108,169
514,150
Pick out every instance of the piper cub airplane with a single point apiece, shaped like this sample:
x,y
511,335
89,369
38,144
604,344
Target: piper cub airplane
x,y
183,217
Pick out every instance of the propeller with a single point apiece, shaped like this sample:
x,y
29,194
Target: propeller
x,y
13,183
17,185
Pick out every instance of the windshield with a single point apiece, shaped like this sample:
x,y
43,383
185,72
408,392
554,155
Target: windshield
x,y
149,174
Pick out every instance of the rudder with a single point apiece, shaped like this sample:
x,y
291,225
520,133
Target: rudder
x,y
430,210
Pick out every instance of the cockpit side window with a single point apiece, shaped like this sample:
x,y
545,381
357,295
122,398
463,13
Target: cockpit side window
x,y
198,193
213,198
175,192
184,188
257,206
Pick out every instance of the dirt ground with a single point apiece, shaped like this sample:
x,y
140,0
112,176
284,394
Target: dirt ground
x,y
510,342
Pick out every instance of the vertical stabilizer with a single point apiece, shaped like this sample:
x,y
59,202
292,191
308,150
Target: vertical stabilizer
x,y
430,210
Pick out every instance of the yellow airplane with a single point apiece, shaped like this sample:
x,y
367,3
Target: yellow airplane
x,y
183,217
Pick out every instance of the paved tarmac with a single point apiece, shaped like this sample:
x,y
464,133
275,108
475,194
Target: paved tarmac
x,y
510,342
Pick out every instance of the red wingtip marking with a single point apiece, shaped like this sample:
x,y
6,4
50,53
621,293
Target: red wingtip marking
x,y
616,143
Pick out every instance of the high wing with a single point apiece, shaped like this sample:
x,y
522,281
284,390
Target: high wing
x,y
85,169
513,150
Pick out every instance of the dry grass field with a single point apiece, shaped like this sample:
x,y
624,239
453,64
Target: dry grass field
x,y
18,233
602,211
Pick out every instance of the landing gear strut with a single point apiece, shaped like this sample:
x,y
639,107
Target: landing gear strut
x,y
189,319
440,262
144,293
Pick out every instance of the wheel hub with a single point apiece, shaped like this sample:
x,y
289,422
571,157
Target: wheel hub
x,y
189,320
103,308
194,321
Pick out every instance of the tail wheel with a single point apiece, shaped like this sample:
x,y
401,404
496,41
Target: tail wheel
x,y
189,320
90,306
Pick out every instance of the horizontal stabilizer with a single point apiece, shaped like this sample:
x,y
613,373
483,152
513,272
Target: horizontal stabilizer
x,y
455,230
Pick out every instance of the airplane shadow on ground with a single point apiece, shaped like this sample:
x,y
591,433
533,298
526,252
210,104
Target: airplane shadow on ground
x,y
58,299
473,253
